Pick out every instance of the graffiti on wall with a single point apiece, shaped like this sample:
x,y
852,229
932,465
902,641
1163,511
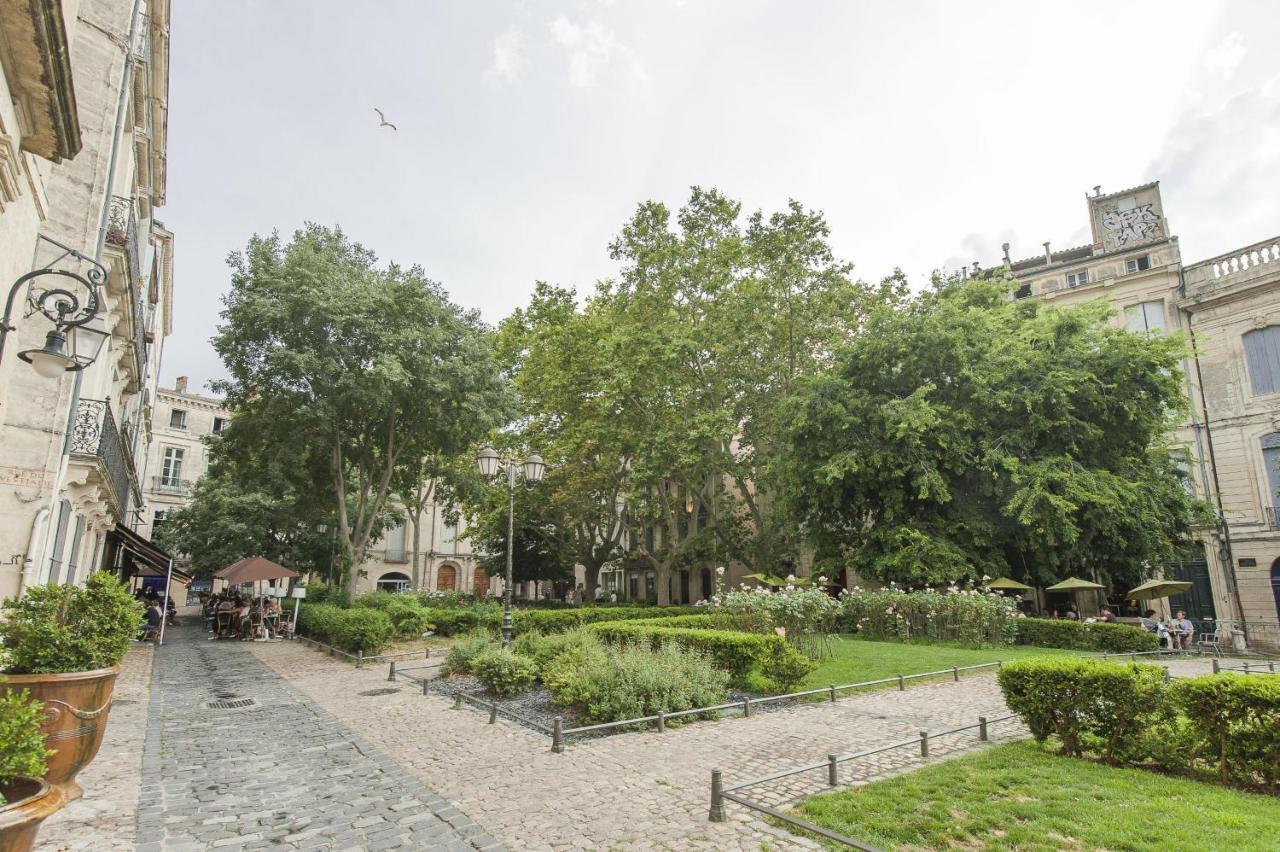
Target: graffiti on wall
x,y
1134,225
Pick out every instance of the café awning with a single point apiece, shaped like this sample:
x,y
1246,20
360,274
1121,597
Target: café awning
x,y
150,561
1153,589
254,568
1075,584
1008,585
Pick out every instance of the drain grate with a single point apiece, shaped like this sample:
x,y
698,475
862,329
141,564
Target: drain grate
x,y
385,690
230,705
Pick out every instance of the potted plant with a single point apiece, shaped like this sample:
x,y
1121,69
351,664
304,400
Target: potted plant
x,y
64,644
25,799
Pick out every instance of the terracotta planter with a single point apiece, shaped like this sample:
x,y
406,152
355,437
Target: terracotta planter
x,y
75,717
28,802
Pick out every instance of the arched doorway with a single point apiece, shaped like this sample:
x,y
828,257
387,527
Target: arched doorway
x,y
1275,584
480,582
393,581
447,579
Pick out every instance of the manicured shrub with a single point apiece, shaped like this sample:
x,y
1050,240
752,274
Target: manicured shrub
x,y
467,649
378,599
64,628
360,629
455,622
1098,636
805,617
22,749
542,650
502,672
1087,704
409,619
623,683
561,620
786,667
1237,718
734,651
966,616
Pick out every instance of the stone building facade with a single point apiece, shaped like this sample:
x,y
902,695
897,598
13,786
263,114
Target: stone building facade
x,y
445,561
83,121
178,458
1228,307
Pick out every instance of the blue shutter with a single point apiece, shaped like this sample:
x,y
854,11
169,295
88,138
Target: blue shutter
x,y
1271,457
1262,351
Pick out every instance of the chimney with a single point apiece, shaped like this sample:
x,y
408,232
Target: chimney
x,y
1048,256
1097,190
976,269
1007,262
180,384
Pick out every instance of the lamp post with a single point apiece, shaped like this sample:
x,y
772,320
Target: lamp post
x,y
71,303
489,462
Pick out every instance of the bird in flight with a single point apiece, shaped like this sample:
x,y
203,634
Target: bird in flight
x,y
382,118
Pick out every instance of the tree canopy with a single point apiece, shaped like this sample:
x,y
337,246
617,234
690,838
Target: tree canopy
x,y
963,433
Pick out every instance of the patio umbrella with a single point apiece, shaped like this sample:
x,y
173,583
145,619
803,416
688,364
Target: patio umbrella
x,y
1008,585
254,568
1075,584
1153,589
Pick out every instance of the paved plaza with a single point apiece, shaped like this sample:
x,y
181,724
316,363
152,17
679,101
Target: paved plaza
x,y
333,757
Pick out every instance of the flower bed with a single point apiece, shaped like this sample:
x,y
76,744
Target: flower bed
x,y
966,616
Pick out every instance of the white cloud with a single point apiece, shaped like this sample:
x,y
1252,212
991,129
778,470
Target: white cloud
x,y
509,61
591,48
1225,57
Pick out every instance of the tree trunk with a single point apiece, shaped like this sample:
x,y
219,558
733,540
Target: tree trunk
x,y
662,584
591,580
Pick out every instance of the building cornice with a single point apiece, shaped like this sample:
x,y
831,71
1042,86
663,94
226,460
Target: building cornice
x,y
37,65
209,403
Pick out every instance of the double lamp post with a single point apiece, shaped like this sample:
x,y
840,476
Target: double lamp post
x,y
490,462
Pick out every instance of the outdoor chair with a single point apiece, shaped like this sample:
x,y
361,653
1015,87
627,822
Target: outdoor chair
x,y
1209,642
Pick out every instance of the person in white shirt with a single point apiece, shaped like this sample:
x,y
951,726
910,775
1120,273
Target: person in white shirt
x,y
1183,630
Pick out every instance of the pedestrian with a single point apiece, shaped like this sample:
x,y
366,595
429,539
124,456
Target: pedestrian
x,y
1107,616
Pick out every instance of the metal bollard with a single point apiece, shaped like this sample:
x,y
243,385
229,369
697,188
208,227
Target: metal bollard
x,y
391,672
1271,666
557,735
424,687
1167,677
982,728
662,722
457,701
833,771
1246,667
746,708
716,814
426,654
1216,667
359,658
902,683
999,665
1133,658
493,713
832,687
924,743
955,673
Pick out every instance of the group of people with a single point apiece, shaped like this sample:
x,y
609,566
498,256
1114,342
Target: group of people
x,y
229,615
1176,634
156,612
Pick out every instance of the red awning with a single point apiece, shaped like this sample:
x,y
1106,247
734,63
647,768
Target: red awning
x,y
253,568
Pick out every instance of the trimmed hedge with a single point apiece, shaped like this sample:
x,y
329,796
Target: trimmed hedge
x,y
734,651
352,630
1098,636
502,672
455,621
1237,718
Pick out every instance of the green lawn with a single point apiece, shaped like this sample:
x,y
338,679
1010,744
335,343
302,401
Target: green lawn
x,y
1021,797
856,660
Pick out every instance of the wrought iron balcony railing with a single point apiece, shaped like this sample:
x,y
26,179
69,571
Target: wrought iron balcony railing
x,y
168,485
397,555
1273,516
96,436
122,231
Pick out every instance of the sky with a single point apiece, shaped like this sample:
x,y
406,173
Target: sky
x,y
527,132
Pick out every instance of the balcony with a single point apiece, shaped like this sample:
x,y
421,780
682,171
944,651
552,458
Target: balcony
x,y
172,487
396,555
1273,516
1248,266
95,438
122,232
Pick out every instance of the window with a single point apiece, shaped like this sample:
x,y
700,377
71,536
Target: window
x,y
1271,458
177,419
1076,279
1148,316
1262,352
158,520
448,539
171,468
1137,264
1022,292
219,423
395,544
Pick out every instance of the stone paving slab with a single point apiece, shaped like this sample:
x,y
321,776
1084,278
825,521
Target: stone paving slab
x,y
280,773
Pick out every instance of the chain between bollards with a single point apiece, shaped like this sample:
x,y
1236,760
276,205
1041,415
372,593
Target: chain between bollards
x,y
557,735
716,813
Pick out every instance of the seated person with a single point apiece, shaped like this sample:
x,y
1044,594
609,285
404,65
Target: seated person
x,y
153,622
1107,616
1183,630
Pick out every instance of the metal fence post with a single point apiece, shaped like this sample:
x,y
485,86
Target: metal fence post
x,y
426,653
716,813
493,712
982,728
662,722
833,771
359,657
1271,666
832,687
1133,658
1216,667
924,743
902,683
955,673
457,701
557,735
424,687
999,665
746,707
1167,677
391,672
1246,667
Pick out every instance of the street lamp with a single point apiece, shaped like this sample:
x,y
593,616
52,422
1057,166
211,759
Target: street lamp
x,y
71,303
534,467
